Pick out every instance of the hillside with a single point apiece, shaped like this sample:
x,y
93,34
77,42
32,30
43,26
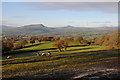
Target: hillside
x,y
74,62
6,27
28,29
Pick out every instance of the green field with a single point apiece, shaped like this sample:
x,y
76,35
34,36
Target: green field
x,y
76,57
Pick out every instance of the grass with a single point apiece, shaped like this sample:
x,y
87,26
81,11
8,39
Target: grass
x,y
35,46
42,45
38,66
47,46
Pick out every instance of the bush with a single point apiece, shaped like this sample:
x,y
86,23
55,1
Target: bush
x,y
17,46
7,45
111,40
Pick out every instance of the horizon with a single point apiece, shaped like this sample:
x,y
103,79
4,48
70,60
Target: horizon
x,y
57,27
58,14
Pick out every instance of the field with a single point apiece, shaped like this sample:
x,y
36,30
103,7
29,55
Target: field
x,y
65,64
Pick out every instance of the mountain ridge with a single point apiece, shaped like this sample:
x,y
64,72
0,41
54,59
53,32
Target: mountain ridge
x,y
34,26
41,29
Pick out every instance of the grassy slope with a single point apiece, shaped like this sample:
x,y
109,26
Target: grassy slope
x,y
74,57
35,46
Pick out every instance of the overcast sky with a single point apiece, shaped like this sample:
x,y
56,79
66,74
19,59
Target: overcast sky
x,y
57,14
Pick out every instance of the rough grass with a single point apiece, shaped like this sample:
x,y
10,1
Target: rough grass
x,y
38,66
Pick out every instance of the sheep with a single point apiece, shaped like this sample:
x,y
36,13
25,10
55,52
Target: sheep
x,y
49,53
38,54
44,54
9,57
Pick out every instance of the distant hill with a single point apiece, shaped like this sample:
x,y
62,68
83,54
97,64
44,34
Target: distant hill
x,y
42,29
33,26
6,27
28,29
68,26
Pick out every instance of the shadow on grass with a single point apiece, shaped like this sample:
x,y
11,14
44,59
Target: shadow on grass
x,y
77,45
100,52
70,55
52,58
104,53
63,75
33,45
81,49
27,51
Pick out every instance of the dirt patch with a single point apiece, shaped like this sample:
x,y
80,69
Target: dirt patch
x,y
98,74
108,70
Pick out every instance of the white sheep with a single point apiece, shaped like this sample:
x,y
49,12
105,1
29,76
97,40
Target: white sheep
x,y
44,54
9,57
38,54
49,53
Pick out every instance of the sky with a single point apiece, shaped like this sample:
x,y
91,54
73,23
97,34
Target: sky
x,y
58,14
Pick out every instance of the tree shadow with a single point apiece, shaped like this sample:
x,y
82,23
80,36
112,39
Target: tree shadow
x,y
97,52
28,51
77,54
81,49
33,45
53,58
63,75
77,45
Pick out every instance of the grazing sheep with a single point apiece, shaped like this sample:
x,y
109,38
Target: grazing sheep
x,y
49,53
38,54
44,54
9,57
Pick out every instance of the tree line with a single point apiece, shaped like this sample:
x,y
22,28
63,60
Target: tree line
x,y
111,40
15,43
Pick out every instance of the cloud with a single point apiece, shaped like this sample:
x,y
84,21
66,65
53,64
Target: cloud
x,y
19,16
4,22
102,22
109,7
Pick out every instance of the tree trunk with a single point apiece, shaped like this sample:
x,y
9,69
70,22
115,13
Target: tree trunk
x,y
60,50
65,48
